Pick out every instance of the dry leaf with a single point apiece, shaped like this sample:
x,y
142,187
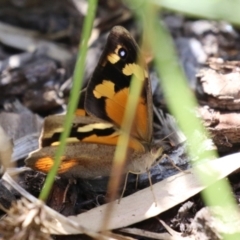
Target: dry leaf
x,y
138,206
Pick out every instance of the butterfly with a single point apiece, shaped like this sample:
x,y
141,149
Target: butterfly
x,y
97,125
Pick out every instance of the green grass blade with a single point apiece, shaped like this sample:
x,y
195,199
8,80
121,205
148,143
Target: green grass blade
x,y
213,9
182,103
74,96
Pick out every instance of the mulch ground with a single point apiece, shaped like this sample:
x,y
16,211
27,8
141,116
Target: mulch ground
x,y
39,82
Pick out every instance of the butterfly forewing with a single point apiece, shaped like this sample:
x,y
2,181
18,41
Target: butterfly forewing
x,y
108,90
84,129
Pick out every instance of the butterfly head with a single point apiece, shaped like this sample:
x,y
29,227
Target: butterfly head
x,y
157,151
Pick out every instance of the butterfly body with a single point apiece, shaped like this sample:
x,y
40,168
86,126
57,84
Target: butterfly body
x,y
92,142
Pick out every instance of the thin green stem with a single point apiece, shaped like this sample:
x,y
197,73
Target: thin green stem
x,y
182,103
214,9
74,96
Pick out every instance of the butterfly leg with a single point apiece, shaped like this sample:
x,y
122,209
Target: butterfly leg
x,y
151,187
125,184
124,187
150,183
174,165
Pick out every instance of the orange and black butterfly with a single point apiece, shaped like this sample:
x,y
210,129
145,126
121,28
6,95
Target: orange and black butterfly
x,y
93,138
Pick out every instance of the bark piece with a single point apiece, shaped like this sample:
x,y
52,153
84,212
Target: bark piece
x,y
219,86
23,127
224,127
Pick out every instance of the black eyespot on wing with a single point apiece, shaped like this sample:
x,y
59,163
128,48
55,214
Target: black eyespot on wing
x,y
122,53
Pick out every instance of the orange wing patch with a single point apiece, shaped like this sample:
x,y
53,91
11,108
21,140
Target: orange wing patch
x,y
135,69
113,140
66,165
46,163
114,57
80,112
108,140
43,164
105,89
116,104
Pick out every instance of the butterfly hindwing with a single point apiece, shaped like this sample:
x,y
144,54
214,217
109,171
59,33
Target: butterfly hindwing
x,y
109,87
91,144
